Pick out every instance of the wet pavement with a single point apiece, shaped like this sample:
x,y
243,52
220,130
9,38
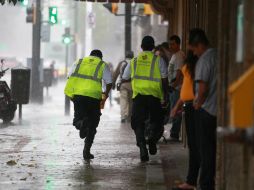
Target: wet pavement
x,y
43,151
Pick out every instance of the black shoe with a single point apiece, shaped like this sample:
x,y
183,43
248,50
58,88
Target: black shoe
x,y
173,140
88,156
152,148
144,157
123,120
86,153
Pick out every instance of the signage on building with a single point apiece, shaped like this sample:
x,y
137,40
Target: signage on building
x,y
45,33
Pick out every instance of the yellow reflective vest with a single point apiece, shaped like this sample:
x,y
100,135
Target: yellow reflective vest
x,y
146,75
86,80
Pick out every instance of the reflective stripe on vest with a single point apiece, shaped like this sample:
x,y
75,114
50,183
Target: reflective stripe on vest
x,y
150,78
94,77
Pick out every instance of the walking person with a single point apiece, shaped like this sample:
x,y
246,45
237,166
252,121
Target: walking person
x,y
125,89
84,87
148,74
175,80
186,101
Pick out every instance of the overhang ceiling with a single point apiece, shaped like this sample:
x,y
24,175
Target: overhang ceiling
x,y
117,1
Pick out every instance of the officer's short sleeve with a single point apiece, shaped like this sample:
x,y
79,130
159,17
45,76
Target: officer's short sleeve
x,y
127,72
107,75
163,68
72,69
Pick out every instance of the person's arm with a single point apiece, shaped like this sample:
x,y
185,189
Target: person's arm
x,y
179,79
127,74
201,95
202,74
116,74
107,77
165,89
176,108
72,69
164,79
178,61
108,88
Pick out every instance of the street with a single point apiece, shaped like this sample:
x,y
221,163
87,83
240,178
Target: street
x,y
43,151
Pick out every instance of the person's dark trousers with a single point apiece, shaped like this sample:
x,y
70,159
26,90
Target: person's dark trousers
x,y
87,109
206,126
145,106
194,155
176,121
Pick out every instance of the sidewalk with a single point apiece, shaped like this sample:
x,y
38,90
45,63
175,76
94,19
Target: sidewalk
x,y
44,152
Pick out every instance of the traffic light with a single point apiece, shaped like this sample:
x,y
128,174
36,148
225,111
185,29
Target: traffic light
x,y
53,13
30,15
24,2
67,37
148,10
112,7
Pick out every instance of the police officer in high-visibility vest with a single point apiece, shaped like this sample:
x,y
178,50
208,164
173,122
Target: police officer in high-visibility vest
x,y
84,88
148,74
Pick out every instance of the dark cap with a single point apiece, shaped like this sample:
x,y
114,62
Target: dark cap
x,y
148,43
96,53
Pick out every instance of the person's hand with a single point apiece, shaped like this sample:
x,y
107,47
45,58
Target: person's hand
x,y
173,112
165,101
103,100
196,105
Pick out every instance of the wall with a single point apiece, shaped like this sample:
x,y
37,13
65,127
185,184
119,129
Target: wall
x,y
235,160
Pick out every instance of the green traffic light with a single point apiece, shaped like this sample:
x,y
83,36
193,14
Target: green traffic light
x,y
53,20
67,40
24,2
63,22
53,14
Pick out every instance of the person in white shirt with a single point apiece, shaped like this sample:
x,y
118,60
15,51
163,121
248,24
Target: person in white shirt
x,y
175,81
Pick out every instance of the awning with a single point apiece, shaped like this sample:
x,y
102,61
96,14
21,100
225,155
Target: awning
x,y
117,1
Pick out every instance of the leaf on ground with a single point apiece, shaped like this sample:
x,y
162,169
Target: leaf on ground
x,y
11,163
23,179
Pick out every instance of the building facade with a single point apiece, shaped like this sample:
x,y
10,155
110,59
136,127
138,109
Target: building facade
x,y
230,27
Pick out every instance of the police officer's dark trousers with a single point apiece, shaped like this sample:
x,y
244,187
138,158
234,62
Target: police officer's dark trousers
x,y
87,110
144,107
